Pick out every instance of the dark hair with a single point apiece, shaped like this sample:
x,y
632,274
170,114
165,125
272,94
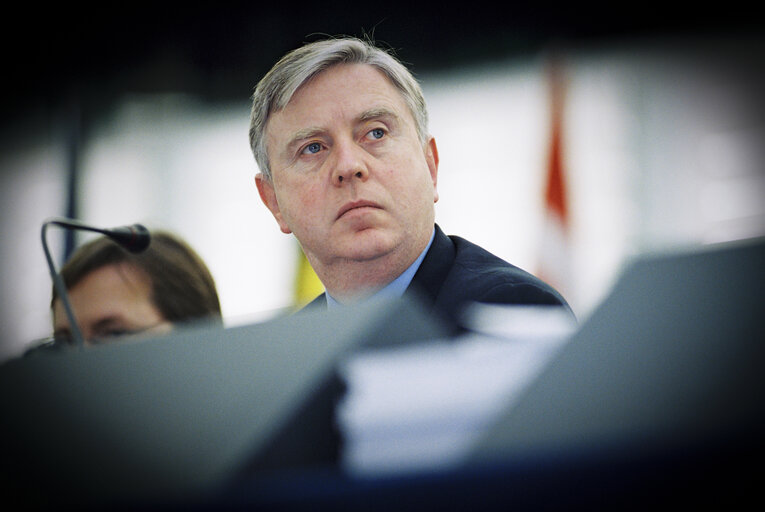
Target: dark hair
x,y
182,287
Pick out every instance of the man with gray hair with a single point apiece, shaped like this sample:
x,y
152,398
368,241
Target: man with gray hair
x,y
339,132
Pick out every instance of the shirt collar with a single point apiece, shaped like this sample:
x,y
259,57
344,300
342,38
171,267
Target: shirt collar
x,y
398,286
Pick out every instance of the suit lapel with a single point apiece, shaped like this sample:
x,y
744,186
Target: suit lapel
x,y
431,275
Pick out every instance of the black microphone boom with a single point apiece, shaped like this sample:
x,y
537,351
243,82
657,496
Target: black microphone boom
x,y
135,238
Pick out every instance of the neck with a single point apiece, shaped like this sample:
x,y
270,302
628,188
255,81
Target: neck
x,y
348,280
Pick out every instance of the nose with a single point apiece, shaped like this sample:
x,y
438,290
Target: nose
x,y
348,164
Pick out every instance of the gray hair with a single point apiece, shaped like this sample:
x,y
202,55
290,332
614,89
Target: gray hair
x,y
299,66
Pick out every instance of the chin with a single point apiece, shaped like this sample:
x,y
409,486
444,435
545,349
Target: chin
x,y
370,244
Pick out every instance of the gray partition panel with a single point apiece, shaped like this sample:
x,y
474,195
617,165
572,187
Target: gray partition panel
x,y
172,417
673,358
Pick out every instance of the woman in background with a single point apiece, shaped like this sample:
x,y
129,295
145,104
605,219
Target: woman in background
x,y
115,293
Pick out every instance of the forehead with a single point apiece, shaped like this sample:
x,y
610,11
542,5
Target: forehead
x,y
341,90
119,277
111,289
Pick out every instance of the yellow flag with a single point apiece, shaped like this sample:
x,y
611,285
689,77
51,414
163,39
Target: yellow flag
x,y
307,284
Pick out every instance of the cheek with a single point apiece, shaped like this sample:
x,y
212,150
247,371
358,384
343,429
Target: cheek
x,y
411,179
60,319
302,200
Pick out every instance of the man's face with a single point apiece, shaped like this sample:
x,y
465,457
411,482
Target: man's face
x,y
110,302
350,176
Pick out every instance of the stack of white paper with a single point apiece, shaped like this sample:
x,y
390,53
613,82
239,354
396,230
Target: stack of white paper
x,y
421,407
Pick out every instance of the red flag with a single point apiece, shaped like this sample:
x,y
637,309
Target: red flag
x,y
555,257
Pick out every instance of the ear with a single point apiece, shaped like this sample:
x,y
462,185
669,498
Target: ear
x,y
431,157
268,196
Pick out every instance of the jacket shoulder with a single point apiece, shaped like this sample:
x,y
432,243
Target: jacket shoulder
x,y
480,276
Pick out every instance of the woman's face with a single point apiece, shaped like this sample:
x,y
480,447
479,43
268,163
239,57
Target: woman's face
x,y
112,301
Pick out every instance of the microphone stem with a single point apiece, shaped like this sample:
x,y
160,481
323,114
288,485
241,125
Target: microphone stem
x,y
60,287
69,223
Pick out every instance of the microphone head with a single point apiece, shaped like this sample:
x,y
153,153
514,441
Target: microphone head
x,y
135,238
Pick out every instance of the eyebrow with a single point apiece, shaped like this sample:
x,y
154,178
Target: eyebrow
x,y
367,115
377,113
301,135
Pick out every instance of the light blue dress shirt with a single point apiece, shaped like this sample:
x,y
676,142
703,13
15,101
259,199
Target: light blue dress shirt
x,y
397,287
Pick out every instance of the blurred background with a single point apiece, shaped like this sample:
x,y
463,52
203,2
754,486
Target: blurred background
x,y
572,138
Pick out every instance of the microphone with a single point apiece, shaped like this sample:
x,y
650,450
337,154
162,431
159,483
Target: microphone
x,y
135,238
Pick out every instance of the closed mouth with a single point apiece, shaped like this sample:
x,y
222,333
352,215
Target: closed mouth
x,y
354,205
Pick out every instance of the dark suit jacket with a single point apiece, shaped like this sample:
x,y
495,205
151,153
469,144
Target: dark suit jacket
x,y
456,272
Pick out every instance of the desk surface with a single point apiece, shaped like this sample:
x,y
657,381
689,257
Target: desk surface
x,y
717,472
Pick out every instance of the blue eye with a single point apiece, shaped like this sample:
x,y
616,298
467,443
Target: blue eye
x,y
377,133
312,148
